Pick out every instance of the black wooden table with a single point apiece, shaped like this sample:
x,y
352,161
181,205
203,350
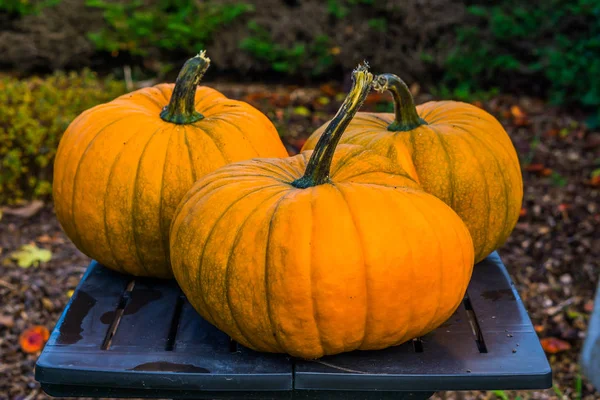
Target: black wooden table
x,y
126,337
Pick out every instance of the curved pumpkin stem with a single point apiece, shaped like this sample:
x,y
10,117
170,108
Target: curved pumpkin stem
x,y
317,169
404,105
182,108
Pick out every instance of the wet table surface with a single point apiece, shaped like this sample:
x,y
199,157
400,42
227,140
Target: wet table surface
x,y
122,336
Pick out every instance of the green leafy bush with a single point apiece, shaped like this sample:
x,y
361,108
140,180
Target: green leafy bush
x,y
138,27
35,113
288,60
25,7
550,47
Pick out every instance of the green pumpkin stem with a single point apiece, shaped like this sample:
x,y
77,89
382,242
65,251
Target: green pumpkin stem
x,y
407,118
317,169
182,108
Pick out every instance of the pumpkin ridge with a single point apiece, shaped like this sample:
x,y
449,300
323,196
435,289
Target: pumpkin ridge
x,y
77,169
117,264
364,259
267,297
227,276
486,190
311,272
164,233
248,141
133,203
207,240
189,151
218,144
441,257
280,168
152,99
451,176
504,186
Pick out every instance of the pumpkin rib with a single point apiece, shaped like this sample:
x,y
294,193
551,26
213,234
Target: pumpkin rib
x,y
444,146
164,232
133,203
218,144
189,151
227,276
311,272
77,169
239,130
153,100
504,186
274,165
266,282
108,241
364,259
207,240
441,257
486,190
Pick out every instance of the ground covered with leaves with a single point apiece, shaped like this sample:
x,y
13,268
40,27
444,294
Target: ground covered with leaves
x,y
552,254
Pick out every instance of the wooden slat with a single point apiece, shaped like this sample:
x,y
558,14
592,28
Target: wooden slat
x,y
86,318
147,317
494,299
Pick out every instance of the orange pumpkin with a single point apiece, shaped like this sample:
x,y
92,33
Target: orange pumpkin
x,y
456,151
320,253
122,167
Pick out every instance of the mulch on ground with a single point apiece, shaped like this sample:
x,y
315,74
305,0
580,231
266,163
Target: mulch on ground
x,y
553,254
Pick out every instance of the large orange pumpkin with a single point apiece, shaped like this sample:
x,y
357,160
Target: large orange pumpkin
x,y
286,256
122,167
456,151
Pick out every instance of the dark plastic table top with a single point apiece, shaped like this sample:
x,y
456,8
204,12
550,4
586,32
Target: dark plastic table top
x,y
121,336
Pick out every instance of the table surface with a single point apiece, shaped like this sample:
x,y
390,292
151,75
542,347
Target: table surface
x,y
122,336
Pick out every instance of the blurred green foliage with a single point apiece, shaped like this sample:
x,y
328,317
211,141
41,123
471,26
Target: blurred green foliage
x,y
341,8
554,45
35,113
137,27
25,7
261,44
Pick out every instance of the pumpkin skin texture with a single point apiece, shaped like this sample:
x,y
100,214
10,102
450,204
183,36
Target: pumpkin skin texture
x,y
461,154
364,261
121,170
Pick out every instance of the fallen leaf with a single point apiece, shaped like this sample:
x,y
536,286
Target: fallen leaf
x,y
328,89
7,321
553,345
546,172
534,167
301,110
516,112
48,305
26,211
539,328
33,339
70,293
523,212
588,306
335,50
29,255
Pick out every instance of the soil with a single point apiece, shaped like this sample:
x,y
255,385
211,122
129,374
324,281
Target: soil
x,y
552,254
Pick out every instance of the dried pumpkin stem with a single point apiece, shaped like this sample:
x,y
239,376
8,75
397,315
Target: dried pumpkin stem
x,y
407,117
317,169
182,108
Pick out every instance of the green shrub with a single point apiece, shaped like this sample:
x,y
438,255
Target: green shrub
x,y
137,27
307,59
35,113
551,47
25,7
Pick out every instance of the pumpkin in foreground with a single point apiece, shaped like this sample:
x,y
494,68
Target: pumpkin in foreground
x,y
320,256
122,167
456,151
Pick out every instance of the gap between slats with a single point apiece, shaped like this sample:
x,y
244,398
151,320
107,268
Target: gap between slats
x,y
475,328
174,327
